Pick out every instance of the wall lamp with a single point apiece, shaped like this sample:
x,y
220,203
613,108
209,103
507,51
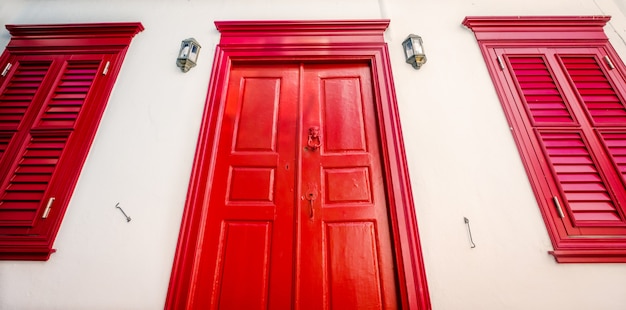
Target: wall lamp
x,y
414,51
188,55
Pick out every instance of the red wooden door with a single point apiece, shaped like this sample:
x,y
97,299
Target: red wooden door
x,y
297,216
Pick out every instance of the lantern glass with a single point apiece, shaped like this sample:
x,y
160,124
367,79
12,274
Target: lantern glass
x,y
193,54
408,48
184,50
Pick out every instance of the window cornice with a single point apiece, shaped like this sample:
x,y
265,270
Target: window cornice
x,y
538,28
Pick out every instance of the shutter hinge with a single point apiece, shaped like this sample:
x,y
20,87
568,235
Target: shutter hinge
x,y
500,63
48,207
106,68
6,69
558,207
609,62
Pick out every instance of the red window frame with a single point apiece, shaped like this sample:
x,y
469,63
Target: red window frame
x,y
584,211
54,87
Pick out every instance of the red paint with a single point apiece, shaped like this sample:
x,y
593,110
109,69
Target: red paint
x,y
324,216
567,111
51,102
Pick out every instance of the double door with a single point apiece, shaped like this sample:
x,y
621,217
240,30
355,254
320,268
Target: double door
x,y
297,216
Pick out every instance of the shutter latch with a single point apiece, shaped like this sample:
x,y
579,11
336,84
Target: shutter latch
x,y
6,69
106,68
558,206
48,207
609,62
500,63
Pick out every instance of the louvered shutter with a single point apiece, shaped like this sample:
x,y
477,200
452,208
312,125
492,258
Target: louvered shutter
x,y
566,101
18,94
53,92
47,153
21,93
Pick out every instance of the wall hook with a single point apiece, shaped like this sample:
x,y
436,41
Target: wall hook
x,y
469,231
127,217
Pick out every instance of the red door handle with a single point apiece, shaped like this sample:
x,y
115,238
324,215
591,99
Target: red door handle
x,y
314,140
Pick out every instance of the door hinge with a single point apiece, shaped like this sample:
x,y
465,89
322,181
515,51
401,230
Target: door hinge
x,y
608,62
500,63
6,69
48,207
106,68
558,206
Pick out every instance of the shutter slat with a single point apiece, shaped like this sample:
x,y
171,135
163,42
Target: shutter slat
x,y
585,206
567,151
594,85
584,72
549,113
620,157
38,161
587,196
588,186
596,216
597,91
604,105
10,217
27,187
63,109
545,106
23,196
72,96
570,160
560,168
539,90
543,98
591,98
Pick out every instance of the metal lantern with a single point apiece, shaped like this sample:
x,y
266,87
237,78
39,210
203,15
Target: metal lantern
x,y
414,51
188,55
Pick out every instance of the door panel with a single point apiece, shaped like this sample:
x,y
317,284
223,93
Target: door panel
x,y
248,239
297,216
346,247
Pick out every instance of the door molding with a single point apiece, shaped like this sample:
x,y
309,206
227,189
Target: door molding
x,y
305,41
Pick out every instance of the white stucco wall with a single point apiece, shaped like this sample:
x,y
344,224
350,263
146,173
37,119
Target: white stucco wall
x,y
462,159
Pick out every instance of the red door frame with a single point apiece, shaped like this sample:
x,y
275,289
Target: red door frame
x,y
308,41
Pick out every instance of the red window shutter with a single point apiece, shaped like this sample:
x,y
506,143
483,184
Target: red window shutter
x,y
562,87
17,95
51,101
30,198
572,121
581,187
